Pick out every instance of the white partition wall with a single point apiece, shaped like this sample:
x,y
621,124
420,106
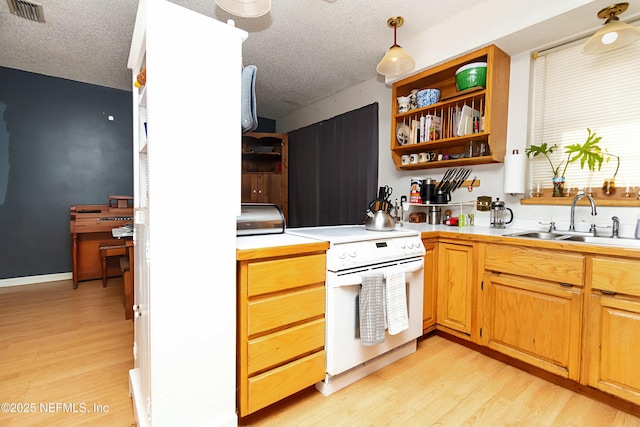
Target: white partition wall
x,y
187,197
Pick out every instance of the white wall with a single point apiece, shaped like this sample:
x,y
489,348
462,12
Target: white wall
x,y
495,28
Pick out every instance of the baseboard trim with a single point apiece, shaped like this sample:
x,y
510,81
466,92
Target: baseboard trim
x,y
30,280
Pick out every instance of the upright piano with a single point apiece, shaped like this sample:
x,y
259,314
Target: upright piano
x,y
90,225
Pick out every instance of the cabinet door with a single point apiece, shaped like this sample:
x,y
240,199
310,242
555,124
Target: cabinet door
x,y
249,188
270,188
534,321
261,188
430,286
614,346
455,277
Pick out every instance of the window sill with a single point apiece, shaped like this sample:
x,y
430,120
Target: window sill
x,y
620,198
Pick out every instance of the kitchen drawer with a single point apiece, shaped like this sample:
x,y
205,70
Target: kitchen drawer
x,y
274,385
616,275
281,274
278,310
537,263
282,346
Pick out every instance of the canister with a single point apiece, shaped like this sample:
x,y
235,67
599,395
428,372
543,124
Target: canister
x,y
435,215
428,192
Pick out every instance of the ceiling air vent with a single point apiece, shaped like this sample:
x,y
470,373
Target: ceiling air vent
x,y
27,9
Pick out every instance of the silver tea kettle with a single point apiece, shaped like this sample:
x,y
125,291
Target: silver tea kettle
x,y
380,221
499,214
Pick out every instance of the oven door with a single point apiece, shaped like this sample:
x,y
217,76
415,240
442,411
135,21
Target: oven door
x,y
343,346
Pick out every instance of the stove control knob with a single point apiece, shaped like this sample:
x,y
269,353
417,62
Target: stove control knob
x,y
353,254
342,255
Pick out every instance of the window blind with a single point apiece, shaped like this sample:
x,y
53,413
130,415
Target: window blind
x,y
573,92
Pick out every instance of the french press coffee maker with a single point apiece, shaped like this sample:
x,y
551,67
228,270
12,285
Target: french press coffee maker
x,y
499,214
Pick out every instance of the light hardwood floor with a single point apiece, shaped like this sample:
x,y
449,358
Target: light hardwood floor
x,y
64,347
62,351
444,384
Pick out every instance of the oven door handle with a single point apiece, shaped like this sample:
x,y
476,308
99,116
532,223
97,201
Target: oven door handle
x,y
356,279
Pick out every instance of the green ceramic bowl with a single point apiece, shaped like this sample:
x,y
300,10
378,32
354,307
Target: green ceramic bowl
x,y
471,75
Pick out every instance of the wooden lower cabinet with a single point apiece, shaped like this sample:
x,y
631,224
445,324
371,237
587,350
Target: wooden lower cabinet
x,y
532,306
534,321
614,327
456,265
281,327
430,286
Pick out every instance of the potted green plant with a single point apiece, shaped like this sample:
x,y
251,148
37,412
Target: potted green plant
x,y
588,153
545,149
609,185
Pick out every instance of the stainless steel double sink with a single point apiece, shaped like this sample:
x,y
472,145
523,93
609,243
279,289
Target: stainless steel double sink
x,y
560,236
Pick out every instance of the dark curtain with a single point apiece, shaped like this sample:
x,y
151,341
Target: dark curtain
x,y
333,169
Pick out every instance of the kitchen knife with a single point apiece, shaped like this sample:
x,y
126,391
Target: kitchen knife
x,y
464,178
446,175
460,179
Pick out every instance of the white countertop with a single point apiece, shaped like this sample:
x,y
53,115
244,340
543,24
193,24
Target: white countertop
x,y
475,230
270,241
286,239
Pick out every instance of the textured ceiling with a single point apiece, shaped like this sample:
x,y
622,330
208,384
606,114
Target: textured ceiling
x,y
305,50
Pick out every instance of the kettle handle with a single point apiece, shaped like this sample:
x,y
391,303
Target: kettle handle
x,y
511,213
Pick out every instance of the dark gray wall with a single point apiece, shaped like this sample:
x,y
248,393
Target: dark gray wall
x,y
57,148
266,125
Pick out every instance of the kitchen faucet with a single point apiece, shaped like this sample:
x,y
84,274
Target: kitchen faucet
x,y
616,227
579,196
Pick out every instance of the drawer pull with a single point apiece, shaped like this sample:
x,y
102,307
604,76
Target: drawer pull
x,y
566,285
607,292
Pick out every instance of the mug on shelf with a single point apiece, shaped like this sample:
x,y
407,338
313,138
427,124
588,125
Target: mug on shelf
x,y
413,158
405,159
404,104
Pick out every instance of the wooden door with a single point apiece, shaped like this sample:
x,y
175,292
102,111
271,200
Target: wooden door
x,y
455,276
270,188
430,286
261,188
614,346
534,321
249,188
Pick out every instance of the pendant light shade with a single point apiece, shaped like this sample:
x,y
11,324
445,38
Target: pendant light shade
x,y
245,8
396,62
614,34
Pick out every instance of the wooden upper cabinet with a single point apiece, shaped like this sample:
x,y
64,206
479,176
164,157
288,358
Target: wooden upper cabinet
x,y
491,102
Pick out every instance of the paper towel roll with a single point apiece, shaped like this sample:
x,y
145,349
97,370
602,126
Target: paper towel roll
x,y
515,172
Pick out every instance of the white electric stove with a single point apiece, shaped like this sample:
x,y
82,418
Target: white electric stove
x,y
353,252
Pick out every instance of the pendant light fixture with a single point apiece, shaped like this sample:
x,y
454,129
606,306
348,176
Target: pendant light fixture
x,y
614,34
396,62
245,8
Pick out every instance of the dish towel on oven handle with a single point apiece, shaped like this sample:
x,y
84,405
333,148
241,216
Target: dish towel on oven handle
x,y
372,309
396,301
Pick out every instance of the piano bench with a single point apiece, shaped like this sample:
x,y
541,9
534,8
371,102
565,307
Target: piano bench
x,y
109,249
